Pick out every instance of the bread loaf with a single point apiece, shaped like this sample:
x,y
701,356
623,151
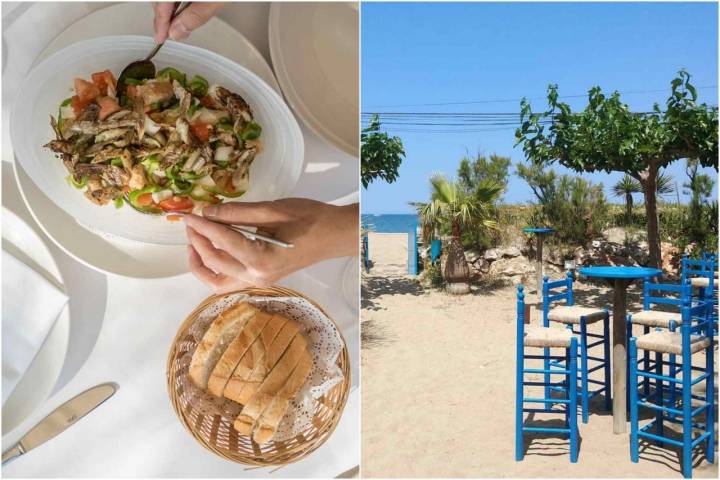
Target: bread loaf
x,y
255,355
268,422
244,390
237,349
271,385
216,339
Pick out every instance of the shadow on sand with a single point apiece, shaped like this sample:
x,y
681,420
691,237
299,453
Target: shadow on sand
x,y
376,286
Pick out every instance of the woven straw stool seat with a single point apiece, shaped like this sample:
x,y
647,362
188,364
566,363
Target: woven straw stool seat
x,y
547,337
654,318
572,314
670,342
700,282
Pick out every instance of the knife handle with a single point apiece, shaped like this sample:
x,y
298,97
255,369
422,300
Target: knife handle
x,y
12,453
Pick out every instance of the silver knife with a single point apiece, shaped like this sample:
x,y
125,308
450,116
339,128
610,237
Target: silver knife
x,y
60,419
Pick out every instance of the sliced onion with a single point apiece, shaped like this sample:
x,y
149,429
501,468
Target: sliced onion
x,y
222,154
161,195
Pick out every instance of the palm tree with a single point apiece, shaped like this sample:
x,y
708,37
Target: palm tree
x,y
451,204
665,184
625,188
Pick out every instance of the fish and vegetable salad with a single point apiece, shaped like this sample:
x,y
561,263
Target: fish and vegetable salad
x,y
164,144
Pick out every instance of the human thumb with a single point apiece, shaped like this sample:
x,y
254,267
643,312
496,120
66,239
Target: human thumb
x,y
192,18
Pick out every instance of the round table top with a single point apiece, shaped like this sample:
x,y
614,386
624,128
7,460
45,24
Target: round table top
x,y
620,272
538,230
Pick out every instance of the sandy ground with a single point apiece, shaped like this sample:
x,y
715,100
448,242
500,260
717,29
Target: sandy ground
x,y
438,386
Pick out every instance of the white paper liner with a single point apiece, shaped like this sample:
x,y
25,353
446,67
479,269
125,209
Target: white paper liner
x,y
324,344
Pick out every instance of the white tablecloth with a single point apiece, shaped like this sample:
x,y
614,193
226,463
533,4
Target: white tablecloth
x,y
122,328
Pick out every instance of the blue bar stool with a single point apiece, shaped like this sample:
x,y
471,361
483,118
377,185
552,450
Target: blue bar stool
x,y
572,315
546,338
695,336
703,275
659,319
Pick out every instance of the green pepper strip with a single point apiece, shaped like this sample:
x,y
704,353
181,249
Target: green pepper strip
x,y
199,86
251,131
172,73
133,196
133,81
81,184
119,202
61,120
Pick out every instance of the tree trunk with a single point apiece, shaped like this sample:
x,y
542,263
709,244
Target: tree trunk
x,y
648,180
457,271
628,207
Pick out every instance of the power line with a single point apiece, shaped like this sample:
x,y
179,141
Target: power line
x,y
508,100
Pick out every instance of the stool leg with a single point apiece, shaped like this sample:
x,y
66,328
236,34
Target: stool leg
x,y
673,374
659,397
520,361
572,382
568,385
546,363
633,389
628,336
710,398
606,353
687,412
583,370
646,365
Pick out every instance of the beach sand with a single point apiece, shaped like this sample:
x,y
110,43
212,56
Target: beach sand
x,y
438,386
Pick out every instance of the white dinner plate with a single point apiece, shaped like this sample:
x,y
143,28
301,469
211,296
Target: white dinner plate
x,y
108,254
314,50
273,175
39,379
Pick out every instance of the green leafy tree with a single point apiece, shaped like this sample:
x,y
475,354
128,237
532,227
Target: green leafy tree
x,y
607,136
699,186
473,171
381,154
452,205
573,206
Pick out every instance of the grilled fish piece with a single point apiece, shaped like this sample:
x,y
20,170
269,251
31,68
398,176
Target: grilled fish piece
x,y
232,102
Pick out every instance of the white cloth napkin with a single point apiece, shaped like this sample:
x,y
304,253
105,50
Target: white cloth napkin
x,y
30,306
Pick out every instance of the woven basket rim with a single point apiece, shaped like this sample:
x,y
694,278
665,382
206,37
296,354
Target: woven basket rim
x,y
305,446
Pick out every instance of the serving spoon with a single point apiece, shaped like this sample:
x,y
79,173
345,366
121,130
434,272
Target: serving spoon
x,y
141,69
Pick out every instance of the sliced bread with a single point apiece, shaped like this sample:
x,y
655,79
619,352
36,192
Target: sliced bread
x,y
239,346
271,385
253,356
216,339
268,422
245,388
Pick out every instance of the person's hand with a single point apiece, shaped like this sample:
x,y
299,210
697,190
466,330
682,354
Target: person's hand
x,y
193,17
227,260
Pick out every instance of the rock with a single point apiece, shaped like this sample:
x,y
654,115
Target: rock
x,y
471,256
615,235
670,258
481,265
511,252
511,267
492,254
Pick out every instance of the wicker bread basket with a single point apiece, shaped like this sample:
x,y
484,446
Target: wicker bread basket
x,y
217,434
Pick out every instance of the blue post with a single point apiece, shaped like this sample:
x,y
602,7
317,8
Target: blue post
x,y
572,387
435,250
546,323
633,387
412,251
519,374
659,415
570,299
710,399
584,369
686,391
673,373
366,253
606,352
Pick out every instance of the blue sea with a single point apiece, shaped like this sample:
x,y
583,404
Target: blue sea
x,y
390,223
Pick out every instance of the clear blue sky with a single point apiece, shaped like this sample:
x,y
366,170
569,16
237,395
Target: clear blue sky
x,y
432,53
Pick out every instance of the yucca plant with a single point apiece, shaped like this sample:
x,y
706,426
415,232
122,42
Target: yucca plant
x,y
625,188
451,205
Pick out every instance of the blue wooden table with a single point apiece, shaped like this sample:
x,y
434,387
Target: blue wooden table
x,y
539,235
619,278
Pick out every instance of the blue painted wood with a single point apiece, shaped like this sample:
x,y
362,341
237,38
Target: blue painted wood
x,y
628,273
412,249
696,320
366,253
538,230
563,292
435,250
569,402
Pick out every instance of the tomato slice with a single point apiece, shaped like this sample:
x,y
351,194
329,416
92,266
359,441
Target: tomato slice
x,y
201,131
78,105
173,218
85,90
108,106
104,80
207,101
177,204
144,200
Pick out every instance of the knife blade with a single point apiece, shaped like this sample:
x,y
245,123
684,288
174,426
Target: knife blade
x,y
61,418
